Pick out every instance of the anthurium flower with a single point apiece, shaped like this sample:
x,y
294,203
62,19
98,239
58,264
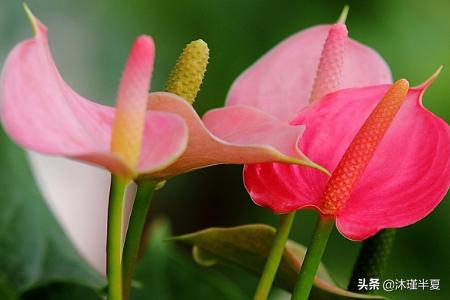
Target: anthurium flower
x,y
407,176
42,113
393,170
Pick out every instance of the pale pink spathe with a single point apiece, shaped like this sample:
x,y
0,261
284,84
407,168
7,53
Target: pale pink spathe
x,y
281,81
42,113
246,135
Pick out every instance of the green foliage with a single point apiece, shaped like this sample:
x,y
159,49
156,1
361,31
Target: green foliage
x,y
247,247
62,291
34,251
164,274
37,261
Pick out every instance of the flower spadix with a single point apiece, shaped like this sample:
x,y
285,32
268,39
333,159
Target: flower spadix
x,y
187,75
362,148
387,154
155,135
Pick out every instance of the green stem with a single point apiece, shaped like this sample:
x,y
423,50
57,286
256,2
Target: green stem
x,y
312,259
274,258
138,217
114,237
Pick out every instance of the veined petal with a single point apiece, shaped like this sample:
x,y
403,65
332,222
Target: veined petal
x,y
406,178
41,112
231,135
283,188
280,83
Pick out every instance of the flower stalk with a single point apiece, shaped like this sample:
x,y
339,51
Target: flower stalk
x,y
312,258
114,237
135,229
274,258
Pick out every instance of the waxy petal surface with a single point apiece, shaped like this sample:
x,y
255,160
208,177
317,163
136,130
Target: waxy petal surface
x,y
407,177
232,135
166,137
280,82
42,113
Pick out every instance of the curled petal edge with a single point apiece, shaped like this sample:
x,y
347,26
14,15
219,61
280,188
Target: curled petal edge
x,y
206,148
74,127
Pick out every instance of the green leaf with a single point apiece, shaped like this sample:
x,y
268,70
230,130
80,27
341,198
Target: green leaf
x,y
34,250
164,273
6,292
247,247
61,291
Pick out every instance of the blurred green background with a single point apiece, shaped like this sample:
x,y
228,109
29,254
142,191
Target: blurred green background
x,y
90,40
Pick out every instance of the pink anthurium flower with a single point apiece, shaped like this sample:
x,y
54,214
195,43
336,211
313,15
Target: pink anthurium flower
x,y
42,113
401,182
153,136
390,172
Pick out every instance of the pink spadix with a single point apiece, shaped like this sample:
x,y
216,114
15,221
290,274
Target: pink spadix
x,y
329,72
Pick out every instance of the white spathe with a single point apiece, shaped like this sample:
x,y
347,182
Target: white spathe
x,y
78,196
